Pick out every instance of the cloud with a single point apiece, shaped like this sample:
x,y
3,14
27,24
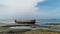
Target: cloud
x,y
21,9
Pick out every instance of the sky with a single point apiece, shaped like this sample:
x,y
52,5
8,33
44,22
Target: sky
x,y
49,9
29,9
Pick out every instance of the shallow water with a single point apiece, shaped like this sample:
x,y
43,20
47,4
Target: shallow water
x,y
38,21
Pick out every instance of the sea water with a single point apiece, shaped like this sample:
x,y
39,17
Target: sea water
x,y
44,21
38,22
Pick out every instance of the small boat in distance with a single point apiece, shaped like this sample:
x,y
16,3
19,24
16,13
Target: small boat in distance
x,y
25,22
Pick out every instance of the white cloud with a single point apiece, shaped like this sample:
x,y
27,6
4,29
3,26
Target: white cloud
x,y
18,9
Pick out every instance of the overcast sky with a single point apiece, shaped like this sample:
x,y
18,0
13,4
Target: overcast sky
x,y
29,9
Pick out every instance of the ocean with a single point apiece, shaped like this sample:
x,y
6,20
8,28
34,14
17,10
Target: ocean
x,y
45,21
38,21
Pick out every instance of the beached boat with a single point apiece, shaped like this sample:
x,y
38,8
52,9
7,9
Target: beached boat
x,y
25,22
